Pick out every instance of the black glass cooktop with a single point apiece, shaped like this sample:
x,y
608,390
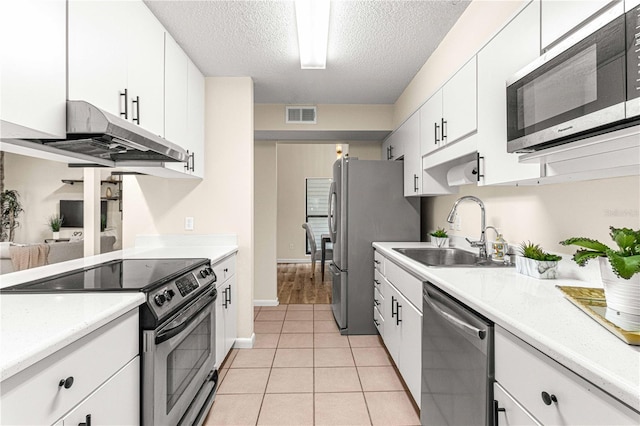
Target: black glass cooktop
x,y
116,275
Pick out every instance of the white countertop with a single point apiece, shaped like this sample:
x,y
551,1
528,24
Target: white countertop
x,y
538,313
33,326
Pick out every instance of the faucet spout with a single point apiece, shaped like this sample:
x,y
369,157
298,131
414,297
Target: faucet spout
x,y
480,244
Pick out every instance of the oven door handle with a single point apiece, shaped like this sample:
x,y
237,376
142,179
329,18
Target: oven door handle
x,y
188,316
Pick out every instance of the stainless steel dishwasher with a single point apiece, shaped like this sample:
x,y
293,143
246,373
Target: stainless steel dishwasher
x,y
457,362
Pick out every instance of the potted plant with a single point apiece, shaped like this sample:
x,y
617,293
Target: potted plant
x,y
439,237
55,222
535,262
619,269
11,208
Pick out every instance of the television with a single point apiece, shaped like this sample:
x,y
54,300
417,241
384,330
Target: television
x,y
72,212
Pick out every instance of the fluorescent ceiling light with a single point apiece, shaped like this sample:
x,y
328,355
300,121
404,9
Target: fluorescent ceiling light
x,y
312,18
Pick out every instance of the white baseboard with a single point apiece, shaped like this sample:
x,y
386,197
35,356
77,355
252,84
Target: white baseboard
x,y
266,302
294,260
245,343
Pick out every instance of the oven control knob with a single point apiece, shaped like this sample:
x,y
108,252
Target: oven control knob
x,y
168,294
203,273
159,299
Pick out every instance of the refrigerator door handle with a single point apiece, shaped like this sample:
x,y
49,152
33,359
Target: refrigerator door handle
x,y
332,214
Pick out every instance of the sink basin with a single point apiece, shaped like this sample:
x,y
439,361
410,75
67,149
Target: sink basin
x,y
448,257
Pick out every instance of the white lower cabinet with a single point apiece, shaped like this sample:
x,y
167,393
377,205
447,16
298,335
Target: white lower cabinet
x,y
401,323
549,392
510,412
115,403
98,370
226,307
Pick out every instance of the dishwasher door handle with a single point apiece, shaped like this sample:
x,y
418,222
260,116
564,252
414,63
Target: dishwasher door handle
x,y
467,328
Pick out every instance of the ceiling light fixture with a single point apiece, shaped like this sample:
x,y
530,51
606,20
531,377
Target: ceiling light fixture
x,y
312,19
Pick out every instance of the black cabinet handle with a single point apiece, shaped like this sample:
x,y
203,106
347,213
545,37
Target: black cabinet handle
x,y
377,262
398,307
136,101
548,399
496,410
67,383
375,321
390,152
435,131
415,183
87,421
476,171
125,114
376,302
444,135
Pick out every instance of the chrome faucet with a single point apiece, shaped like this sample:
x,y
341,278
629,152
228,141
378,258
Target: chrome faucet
x,y
481,244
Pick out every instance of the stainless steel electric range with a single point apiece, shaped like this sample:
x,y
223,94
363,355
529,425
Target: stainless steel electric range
x,y
177,324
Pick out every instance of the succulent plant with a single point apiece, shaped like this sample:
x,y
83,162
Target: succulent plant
x,y
535,252
439,233
625,262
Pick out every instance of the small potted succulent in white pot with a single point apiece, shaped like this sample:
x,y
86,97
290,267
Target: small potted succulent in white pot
x,y
55,222
533,261
440,237
619,269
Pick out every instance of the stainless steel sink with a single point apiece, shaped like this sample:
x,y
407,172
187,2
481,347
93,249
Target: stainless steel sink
x,y
448,257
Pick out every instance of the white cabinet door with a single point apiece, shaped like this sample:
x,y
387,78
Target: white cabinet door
x,y
513,48
116,402
231,309
459,104
391,327
410,364
431,124
175,98
195,118
511,413
97,54
392,148
220,326
561,16
33,63
409,138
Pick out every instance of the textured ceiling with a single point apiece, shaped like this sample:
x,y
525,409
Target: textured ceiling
x,y
375,47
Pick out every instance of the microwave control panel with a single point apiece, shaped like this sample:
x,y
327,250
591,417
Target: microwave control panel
x,y
633,53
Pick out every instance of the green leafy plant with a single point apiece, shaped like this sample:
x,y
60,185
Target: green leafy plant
x,y
11,209
55,222
625,262
439,233
535,252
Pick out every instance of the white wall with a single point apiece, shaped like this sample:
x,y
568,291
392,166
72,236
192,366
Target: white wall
x,y
222,202
39,183
265,205
329,117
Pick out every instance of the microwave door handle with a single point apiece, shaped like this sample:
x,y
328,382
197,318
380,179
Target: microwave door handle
x,y
189,318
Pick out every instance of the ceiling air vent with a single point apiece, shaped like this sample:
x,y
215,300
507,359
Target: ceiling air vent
x,y
301,114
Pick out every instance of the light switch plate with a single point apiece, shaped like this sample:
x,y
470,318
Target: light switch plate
x,y
188,223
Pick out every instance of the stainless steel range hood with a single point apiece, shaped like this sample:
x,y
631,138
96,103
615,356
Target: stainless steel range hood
x,y
93,133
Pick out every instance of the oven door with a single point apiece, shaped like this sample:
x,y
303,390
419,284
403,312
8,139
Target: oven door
x,y
179,378
570,91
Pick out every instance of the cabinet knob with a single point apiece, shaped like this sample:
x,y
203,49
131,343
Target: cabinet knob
x,y
548,399
67,383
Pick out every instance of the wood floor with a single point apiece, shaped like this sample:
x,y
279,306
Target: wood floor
x,y
296,285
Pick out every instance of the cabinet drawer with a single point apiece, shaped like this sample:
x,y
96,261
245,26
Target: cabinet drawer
x,y
379,283
526,373
408,285
34,396
514,413
225,268
378,321
378,262
378,300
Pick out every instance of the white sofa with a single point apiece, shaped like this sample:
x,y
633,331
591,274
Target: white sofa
x,y
58,252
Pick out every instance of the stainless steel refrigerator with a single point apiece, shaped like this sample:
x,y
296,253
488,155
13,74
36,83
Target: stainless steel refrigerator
x,y
366,204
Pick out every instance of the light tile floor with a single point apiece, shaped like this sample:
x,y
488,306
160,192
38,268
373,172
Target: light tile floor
x,y
301,371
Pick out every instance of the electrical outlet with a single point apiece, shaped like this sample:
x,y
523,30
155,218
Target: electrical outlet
x,y
291,246
188,223
458,222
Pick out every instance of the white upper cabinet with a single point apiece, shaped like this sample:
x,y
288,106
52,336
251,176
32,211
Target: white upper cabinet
x,y
512,49
33,63
116,60
392,148
195,118
408,136
450,114
561,16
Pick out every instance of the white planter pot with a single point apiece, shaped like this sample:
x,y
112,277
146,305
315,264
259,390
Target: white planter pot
x,y
440,242
543,270
56,235
621,295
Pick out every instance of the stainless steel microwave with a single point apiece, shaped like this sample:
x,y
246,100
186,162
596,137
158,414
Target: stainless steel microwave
x,y
587,85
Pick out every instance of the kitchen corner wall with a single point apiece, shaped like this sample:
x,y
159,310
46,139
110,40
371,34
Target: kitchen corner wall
x,y
544,214
222,202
